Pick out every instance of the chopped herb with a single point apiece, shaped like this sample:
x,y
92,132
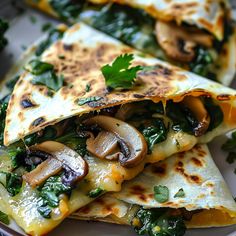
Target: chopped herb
x,y
54,35
95,192
180,193
67,9
12,182
4,218
88,88
119,75
158,222
46,27
161,193
3,28
43,209
61,57
3,108
83,101
44,75
33,19
155,133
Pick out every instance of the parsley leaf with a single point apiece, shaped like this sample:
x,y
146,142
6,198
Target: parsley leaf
x,y
4,218
44,74
119,75
95,192
161,193
180,193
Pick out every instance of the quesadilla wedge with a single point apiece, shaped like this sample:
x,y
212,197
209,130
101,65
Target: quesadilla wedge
x,y
197,196
197,35
71,134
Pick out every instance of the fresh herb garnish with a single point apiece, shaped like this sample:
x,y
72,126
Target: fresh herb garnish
x,y
12,182
155,133
4,218
3,108
11,83
44,75
16,156
120,74
54,35
33,19
180,193
83,101
3,28
95,192
158,222
161,193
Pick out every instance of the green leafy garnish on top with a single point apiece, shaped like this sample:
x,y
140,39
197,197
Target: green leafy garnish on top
x,y
120,74
44,74
3,27
161,193
180,193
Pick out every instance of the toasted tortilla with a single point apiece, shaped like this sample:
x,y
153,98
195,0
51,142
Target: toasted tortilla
x,y
193,171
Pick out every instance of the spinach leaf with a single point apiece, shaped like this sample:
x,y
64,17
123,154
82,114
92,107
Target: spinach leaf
x,y
17,156
67,9
4,218
215,112
161,193
12,182
3,28
83,101
95,192
131,26
44,74
3,108
49,194
155,133
182,118
158,222
202,62
74,141
53,36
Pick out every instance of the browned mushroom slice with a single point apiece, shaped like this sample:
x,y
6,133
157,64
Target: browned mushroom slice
x,y
103,145
199,111
62,157
179,42
133,147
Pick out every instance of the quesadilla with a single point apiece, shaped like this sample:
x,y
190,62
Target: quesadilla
x,y
197,35
197,197
88,115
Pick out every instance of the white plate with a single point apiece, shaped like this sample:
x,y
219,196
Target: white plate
x,y
22,33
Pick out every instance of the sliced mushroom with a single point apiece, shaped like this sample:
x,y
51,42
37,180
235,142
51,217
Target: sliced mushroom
x,y
199,111
179,42
132,145
62,157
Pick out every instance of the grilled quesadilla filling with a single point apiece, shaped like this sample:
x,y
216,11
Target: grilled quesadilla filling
x,y
53,161
184,45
